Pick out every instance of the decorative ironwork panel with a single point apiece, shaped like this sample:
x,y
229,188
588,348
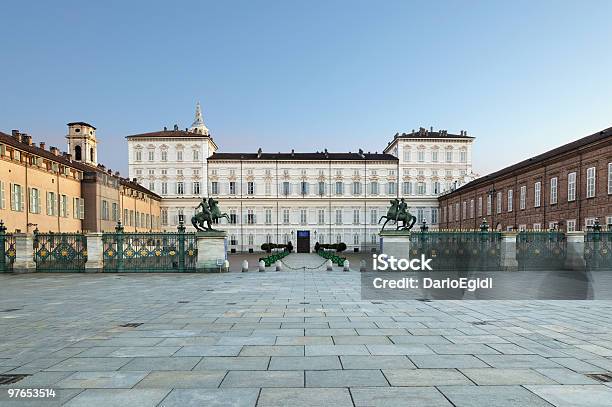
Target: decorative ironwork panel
x,y
8,252
598,250
60,251
155,252
544,250
459,251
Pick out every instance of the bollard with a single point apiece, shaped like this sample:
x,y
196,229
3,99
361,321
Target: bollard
x,y
279,265
245,266
226,266
329,265
362,266
345,265
262,265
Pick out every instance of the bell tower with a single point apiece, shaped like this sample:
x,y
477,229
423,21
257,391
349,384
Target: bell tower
x,y
82,143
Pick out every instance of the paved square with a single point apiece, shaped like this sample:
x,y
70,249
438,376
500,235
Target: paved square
x,y
291,338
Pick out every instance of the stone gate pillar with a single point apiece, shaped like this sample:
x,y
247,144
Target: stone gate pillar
x,y
508,251
95,252
24,260
574,258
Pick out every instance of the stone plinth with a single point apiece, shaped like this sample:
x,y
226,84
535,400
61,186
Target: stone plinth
x,y
508,251
95,253
24,260
212,251
574,257
395,243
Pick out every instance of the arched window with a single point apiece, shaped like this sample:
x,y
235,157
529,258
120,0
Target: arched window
x,y
77,153
91,154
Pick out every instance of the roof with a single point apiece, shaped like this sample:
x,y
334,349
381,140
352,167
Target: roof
x,y
32,149
169,134
304,156
441,134
566,148
81,124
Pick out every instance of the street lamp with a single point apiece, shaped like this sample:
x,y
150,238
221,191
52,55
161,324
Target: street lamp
x,y
491,193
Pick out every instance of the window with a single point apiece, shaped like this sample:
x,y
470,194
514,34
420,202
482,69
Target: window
x,y
250,188
434,216
250,217
233,218
2,196
179,172
392,188
373,216
196,188
164,155
499,202
356,188
268,188
232,187
464,210
286,216
479,206
338,238
303,216
523,197
457,211
489,204
64,206
151,155
137,158
34,202
571,224
164,188
250,240
420,215
463,156
78,205
421,188
553,190
571,186
196,155
321,216
355,216
471,209
163,213
304,188
179,155
407,188
420,156
537,227
180,188
338,216
268,217
105,211
407,155
374,188
214,188
339,188
436,187
286,188
321,188
537,189
609,178
590,182
151,186
115,212
449,156
510,200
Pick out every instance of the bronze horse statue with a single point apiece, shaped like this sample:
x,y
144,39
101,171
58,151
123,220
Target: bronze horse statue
x,y
398,211
210,214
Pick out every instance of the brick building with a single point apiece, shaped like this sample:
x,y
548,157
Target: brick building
x,y
565,188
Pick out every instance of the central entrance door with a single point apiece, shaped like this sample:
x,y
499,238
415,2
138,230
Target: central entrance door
x,y
303,241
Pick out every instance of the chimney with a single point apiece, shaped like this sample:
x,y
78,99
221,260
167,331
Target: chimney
x,y
69,157
134,179
117,174
165,128
431,129
42,145
54,150
16,135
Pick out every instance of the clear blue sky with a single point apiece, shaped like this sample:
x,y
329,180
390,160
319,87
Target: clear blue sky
x,y
521,76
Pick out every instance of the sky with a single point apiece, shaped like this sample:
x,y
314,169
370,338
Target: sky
x,y
520,76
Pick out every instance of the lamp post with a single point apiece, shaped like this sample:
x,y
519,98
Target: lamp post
x,y
491,193
424,227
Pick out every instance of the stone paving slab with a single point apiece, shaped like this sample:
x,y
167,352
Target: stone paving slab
x,y
101,380
425,377
182,379
399,397
345,378
489,396
118,397
211,398
304,397
270,378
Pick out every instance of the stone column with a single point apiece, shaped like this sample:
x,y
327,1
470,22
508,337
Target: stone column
x,y
574,257
395,243
95,253
508,251
24,261
212,251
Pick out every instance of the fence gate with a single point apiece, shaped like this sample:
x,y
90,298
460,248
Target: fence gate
x,y
541,250
598,250
153,252
7,250
60,251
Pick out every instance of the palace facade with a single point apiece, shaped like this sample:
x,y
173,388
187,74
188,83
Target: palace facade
x,y
566,188
55,191
303,197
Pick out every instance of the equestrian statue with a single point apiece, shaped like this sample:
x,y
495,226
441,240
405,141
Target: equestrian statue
x,y
398,211
209,214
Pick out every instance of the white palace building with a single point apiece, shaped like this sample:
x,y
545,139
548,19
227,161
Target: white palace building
x,y
302,197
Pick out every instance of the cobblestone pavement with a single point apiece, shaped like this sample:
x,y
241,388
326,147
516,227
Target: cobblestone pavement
x,y
291,338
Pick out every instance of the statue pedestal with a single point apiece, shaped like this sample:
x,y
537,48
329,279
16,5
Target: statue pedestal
x,y
395,243
212,251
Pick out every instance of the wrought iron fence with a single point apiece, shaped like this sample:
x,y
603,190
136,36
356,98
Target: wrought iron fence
x,y
598,250
459,251
60,251
545,250
156,252
7,249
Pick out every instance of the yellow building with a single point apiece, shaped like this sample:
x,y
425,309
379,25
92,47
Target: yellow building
x,y
68,192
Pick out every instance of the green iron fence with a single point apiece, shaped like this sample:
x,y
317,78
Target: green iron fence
x,y
60,251
458,251
142,252
598,250
7,249
545,250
